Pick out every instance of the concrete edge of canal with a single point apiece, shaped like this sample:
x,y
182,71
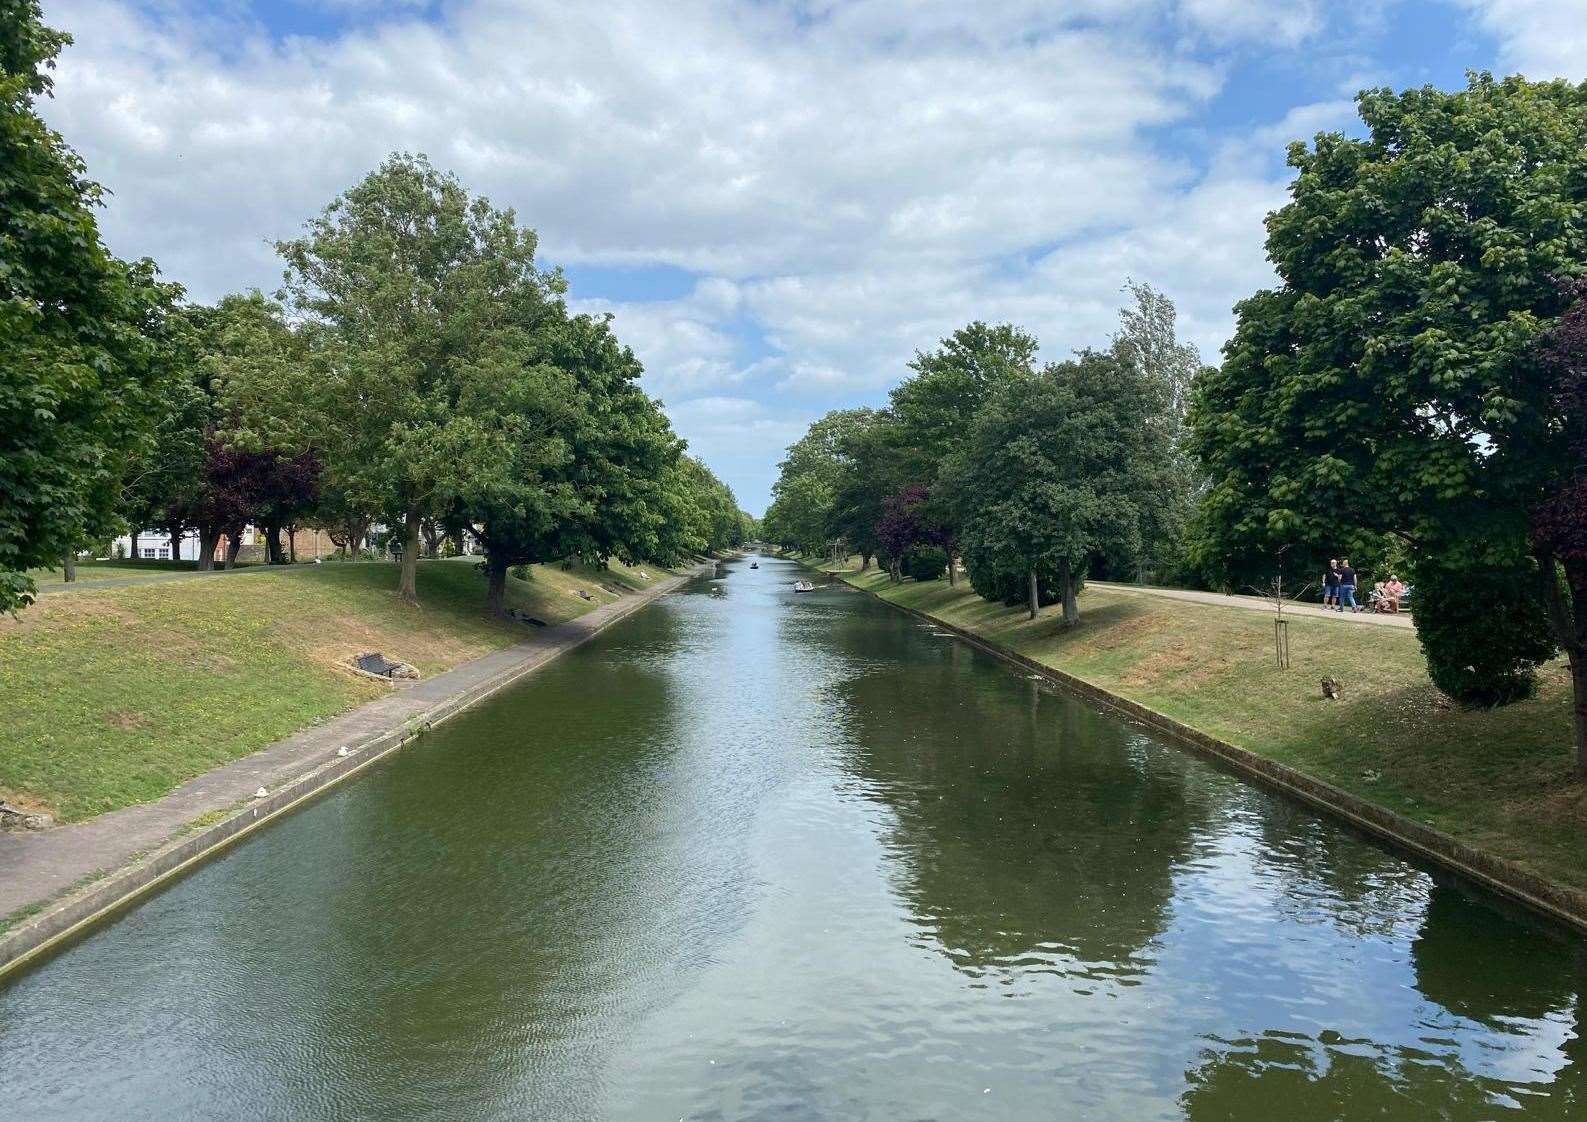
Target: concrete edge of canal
x,y
97,897
1498,875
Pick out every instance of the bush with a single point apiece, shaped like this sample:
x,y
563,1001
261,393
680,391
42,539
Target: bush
x,y
925,562
1482,629
520,571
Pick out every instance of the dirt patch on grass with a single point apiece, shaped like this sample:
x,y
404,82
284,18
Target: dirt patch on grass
x,y
125,719
50,611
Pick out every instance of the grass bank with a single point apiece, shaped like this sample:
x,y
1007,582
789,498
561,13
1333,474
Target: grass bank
x,y
113,696
1498,779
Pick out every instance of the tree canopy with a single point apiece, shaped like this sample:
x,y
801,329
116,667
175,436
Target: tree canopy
x,y
1394,381
81,384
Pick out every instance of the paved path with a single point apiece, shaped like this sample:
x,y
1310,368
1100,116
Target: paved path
x,y
1258,604
37,866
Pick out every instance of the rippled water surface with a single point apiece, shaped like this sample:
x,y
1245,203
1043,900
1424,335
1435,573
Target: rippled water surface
x,y
752,855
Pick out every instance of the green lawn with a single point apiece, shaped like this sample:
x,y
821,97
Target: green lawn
x,y
1501,779
113,696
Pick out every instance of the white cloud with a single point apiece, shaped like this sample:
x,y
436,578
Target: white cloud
x,y
1228,20
851,181
1538,38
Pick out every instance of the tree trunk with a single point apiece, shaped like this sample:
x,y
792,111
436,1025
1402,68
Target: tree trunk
x,y
408,585
132,553
865,561
1035,592
233,544
953,578
496,588
292,542
1568,621
1067,580
1578,682
208,538
176,543
69,565
272,545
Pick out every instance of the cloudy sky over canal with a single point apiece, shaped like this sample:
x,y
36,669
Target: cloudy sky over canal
x,y
779,199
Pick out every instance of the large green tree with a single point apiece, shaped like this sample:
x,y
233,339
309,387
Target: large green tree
x,y
1393,380
1057,467
81,374
934,407
411,273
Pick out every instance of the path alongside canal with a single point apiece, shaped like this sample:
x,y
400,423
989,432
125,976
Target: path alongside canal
x,y
1258,604
97,862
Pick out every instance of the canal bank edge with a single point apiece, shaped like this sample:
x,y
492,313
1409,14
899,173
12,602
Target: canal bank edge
x,y
97,894
1496,874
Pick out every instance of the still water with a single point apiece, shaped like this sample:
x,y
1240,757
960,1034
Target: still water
x,y
753,855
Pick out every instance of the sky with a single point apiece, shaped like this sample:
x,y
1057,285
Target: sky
x,y
780,201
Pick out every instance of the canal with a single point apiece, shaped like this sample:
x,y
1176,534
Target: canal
x,y
757,855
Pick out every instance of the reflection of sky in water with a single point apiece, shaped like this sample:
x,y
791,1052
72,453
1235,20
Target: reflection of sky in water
x,y
754,855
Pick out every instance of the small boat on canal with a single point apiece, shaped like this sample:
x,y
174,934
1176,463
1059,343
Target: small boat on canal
x,y
754,564
804,586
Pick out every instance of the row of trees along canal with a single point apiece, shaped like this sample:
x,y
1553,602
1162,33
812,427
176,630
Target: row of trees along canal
x,y
1412,393
423,371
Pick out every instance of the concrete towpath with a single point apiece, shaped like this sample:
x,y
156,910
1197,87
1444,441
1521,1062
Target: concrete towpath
x,y
1258,604
113,852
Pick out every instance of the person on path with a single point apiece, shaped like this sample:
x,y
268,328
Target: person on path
x,y
1347,586
1331,584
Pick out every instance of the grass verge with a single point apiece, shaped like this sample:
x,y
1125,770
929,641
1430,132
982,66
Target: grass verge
x,y
114,696
1499,779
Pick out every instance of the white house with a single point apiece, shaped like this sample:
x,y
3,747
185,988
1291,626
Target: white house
x,y
155,545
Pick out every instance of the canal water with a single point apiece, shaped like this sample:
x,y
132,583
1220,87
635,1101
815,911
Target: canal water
x,y
758,855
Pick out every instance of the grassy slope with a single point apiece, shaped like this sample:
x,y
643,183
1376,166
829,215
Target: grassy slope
x,y
114,696
1500,779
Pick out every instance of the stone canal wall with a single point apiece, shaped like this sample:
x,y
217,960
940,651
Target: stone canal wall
x,y
1498,875
57,883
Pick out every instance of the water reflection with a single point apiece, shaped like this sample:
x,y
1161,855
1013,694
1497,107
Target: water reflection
x,y
757,855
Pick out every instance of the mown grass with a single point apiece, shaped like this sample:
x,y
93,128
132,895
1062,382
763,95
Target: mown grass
x,y
114,696
1501,779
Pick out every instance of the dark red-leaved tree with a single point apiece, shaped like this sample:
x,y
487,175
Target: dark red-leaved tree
x,y
240,486
906,521
1559,522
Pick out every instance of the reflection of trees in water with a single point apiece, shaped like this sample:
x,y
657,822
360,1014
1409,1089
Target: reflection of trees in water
x,y
1324,873
1293,1078
1519,981
1029,828
471,907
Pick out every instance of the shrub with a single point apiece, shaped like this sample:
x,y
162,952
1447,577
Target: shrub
x,y
925,562
1482,628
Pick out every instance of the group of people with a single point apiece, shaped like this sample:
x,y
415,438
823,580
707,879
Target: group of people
x,y
1339,590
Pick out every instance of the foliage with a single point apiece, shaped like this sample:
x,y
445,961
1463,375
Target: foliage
x,y
1058,467
1481,625
1147,342
418,283
1393,381
925,562
81,380
934,408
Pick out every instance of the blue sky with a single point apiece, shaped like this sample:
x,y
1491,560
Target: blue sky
x,y
779,200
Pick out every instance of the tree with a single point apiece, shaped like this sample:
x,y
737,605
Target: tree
x,y
410,272
934,407
1147,341
1558,531
810,477
1058,466
1393,382
81,377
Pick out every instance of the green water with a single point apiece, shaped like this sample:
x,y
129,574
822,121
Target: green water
x,y
753,855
